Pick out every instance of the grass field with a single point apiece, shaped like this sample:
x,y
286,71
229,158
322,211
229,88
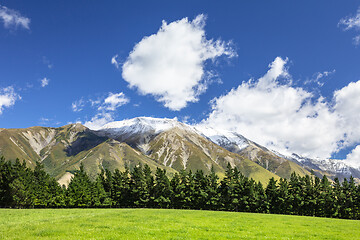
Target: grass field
x,y
167,224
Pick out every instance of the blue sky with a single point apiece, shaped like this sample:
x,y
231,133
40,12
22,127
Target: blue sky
x,y
267,69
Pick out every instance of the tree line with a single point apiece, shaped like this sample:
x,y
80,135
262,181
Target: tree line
x,y
22,187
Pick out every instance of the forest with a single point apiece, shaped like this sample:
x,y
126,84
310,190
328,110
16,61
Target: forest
x,y
22,187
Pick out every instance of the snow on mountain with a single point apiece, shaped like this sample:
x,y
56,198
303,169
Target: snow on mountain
x,y
154,126
145,127
141,125
223,137
330,165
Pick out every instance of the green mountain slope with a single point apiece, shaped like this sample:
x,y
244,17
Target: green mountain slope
x,y
270,161
185,150
63,149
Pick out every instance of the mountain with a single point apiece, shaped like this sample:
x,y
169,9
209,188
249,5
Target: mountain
x,y
179,146
157,142
238,144
330,167
63,149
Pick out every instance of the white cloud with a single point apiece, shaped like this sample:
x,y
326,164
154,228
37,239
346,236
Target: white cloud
x,y
13,19
353,158
44,82
347,106
78,105
99,120
105,109
113,101
287,118
115,62
170,64
317,78
352,22
356,40
8,98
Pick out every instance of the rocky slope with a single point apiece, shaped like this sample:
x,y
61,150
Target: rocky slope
x,y
179,146
164,143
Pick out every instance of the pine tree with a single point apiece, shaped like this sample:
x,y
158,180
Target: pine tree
x,y
295,194
162,189
6,177
326,199
78,193
149,187
282,203
338,199
272,195
225,189
178,195
138,193
212,191
22,191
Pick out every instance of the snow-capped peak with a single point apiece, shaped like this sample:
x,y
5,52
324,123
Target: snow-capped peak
x,y
223,137
143,125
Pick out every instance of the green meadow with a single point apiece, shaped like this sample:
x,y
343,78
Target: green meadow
x,y
167,224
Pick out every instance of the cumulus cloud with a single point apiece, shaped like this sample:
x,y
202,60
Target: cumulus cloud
x,y
8,97
352,22
289,119
353,158
44,82
113,101
78,105
13,19
170,65
347,106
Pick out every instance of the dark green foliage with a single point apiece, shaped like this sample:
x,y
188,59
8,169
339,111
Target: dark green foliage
x,y
21,187
79,191
162,189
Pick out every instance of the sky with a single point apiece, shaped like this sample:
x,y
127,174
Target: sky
x,y
284,74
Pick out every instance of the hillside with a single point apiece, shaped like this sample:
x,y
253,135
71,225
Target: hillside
x,y
164,143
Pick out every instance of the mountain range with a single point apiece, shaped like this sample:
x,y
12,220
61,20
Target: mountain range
x,y
157,142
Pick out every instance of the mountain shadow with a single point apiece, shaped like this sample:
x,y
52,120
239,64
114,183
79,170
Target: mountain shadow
x,y
86,140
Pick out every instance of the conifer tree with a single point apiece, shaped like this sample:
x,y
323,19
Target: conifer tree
x,y
212,202
162,189
78,193
271,194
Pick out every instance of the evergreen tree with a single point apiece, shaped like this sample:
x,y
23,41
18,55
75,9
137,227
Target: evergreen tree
x,y
178,194
225,189
326,199
22,191
212,201
282,203
338,199
78,193
138,192
272,195
6,177
162,189
295,194
149,187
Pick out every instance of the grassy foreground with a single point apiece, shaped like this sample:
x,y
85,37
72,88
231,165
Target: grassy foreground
x,y
167,224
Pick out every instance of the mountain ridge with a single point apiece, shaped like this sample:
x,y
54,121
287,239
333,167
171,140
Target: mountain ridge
x,y
159,142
